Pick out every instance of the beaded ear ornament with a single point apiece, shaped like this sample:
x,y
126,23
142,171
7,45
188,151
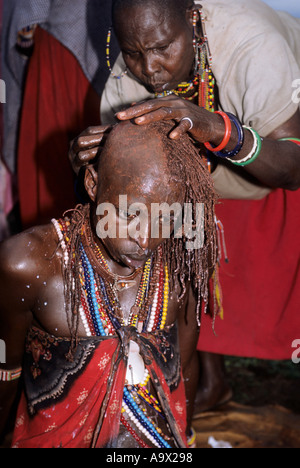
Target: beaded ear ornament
x,y
108,42
203,83
203,63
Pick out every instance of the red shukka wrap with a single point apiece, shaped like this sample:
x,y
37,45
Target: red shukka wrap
x,y
78,404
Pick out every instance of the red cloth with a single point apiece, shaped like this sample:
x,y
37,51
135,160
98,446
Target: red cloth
x,y
261,283
58,105
71,422
86,414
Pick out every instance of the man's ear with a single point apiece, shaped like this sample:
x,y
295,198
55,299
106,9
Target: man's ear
x,y
91,182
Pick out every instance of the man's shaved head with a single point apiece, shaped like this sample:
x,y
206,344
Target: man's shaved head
x,y
135,156
143,163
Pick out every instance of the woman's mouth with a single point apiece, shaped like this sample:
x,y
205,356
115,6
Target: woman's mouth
x,y
159,87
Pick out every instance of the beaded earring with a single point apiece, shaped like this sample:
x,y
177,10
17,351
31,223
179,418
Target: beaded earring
x,y
203,62
108,42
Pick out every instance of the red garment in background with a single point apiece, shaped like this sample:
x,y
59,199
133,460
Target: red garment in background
x,y
59,103
261,283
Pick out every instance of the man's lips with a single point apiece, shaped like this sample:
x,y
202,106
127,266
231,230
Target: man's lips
x,y
136,257
134,260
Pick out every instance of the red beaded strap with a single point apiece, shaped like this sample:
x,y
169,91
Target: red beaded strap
x,y
228,129
133,433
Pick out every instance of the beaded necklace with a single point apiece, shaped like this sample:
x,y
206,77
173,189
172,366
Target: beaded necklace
x,y
99,319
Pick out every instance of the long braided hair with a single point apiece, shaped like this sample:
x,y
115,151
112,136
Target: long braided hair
x,y
188,167
193,266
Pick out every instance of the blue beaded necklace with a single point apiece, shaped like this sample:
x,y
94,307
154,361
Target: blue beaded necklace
x,y
131,400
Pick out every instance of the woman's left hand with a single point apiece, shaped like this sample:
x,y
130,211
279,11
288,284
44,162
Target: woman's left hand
x,y
201,124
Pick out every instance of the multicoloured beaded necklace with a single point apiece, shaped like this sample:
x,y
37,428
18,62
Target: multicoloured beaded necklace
x,y
99,317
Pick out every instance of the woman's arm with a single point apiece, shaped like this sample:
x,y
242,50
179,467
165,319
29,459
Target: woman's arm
x,y
278,165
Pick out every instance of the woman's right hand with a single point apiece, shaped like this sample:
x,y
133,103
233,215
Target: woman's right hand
x,y
85,147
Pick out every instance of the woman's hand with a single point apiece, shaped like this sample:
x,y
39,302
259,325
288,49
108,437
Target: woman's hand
x,y
85,147
206,125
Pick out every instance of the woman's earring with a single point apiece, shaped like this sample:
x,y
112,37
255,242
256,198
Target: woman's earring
x,y
197,43
195,21
117,77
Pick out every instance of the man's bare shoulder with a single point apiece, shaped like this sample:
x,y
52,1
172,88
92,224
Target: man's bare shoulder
x,y
28,251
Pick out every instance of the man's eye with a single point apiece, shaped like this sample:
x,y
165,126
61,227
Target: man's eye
x,y
126,215
162,48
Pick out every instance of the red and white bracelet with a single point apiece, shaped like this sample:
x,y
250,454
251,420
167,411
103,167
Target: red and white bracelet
x,y
10,376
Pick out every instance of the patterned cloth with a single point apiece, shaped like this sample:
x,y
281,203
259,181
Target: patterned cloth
x,y
77,404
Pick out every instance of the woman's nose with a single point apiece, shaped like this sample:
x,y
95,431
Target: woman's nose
x,y
151,65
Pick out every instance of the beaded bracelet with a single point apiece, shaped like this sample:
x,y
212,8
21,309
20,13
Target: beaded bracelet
x,y
228,129
241,135
292,140
10,376
254,153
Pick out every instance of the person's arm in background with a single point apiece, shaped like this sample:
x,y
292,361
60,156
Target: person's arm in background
x,y
188,339
17,296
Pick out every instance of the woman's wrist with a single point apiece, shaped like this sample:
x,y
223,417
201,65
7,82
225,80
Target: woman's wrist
x,y
231,141
217,129
226,135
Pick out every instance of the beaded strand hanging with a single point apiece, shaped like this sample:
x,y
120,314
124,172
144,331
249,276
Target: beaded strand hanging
x,y
99,318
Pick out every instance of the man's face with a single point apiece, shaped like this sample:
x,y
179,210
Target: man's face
x,y
158,50
131,187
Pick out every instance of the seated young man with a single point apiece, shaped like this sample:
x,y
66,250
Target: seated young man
x,y
95,305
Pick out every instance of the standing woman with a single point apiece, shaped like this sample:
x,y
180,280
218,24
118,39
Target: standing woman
x,y
55,70
225,73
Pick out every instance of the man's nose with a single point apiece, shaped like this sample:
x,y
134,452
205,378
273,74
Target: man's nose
x,y
143,243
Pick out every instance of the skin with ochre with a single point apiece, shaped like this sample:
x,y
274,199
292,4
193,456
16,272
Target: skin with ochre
x,y
31,286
